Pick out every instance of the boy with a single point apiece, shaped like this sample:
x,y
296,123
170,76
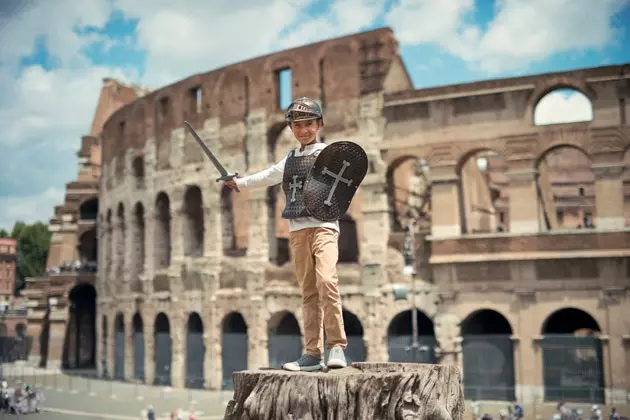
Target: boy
x,y
314,243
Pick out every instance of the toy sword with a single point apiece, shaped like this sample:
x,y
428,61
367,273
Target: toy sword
x,y
225,175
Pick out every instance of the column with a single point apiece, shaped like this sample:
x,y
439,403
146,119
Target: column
x,y
445,192
177,239
149,249
212,240
149,349
129,347
178,334
523,196
257,338
111,343
609,195
213,365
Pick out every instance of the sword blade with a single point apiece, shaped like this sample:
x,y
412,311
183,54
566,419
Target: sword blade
x,y
207,151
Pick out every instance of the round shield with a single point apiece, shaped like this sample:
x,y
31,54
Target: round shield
x,y
334,179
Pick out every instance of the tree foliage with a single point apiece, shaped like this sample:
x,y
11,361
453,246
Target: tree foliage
x,y
33,242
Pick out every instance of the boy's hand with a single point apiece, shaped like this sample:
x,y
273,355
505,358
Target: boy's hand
x,y
231,184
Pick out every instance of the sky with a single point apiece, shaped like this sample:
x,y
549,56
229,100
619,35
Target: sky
x,y
55,53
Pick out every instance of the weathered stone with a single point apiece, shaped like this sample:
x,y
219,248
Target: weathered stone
x,y
362,391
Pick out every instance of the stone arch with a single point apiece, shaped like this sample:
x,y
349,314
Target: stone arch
x,y
356,350
162,237
573,368
348,240
234,347
285,338
163,354
558,84
119,346
482,190
399,334
566,187
80,342
137,170
105,346
88,246
277,228
138,250
194,230
408,191
88,210
488,354
138,347
195,352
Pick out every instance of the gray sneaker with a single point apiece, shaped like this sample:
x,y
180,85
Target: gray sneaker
x,y
306,363
336,358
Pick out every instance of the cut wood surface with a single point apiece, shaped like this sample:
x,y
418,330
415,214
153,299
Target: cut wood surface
x,y
362,391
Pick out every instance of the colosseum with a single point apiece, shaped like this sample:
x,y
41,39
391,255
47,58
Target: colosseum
x,y
519,229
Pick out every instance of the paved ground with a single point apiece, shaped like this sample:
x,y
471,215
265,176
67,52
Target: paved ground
x,y
69,397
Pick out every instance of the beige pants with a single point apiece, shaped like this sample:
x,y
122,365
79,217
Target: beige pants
x,y
315,252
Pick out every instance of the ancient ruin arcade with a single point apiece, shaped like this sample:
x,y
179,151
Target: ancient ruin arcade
x,y
522,245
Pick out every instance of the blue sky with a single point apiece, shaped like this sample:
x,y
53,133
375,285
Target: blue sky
x,y
53,58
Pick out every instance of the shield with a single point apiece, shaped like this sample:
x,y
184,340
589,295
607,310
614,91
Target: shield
x,y
334,179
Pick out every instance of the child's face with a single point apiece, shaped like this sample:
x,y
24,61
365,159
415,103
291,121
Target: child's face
x,y
305,131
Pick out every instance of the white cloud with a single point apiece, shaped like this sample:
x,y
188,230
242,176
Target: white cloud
x,y
53,21
182,40
29,208
563,106
522,32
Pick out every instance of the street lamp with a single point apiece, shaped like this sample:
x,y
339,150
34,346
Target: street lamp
x,y
400,291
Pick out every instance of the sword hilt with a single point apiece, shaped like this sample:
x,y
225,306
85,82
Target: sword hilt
x,y
229,177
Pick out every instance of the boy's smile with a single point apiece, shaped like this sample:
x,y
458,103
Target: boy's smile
x,y
305,131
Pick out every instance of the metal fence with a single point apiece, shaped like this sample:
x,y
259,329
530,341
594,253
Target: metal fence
x,y
72,388
573,368
15,348
488,367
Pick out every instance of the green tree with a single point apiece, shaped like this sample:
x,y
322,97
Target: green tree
x,y
33,242
3,234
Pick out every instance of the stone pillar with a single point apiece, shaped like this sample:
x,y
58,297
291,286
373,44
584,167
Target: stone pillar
x,y
149,249
111,343
214,368
149,349
177,221
257,352
449,339
445,196
103,257
129,346
258,249
609,196
212,241
178,334
112,278
375,328
523,196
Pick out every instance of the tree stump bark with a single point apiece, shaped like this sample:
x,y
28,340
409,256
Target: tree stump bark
x,y
363,391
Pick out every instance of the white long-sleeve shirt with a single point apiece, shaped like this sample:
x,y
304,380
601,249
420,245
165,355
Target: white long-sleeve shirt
x,y
274,174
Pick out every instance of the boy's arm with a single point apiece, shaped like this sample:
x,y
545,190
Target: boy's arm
x,y
265,178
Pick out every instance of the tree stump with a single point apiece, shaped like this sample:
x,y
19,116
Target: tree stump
x,y
362,391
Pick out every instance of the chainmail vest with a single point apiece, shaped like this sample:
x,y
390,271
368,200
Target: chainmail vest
x,y
295,171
